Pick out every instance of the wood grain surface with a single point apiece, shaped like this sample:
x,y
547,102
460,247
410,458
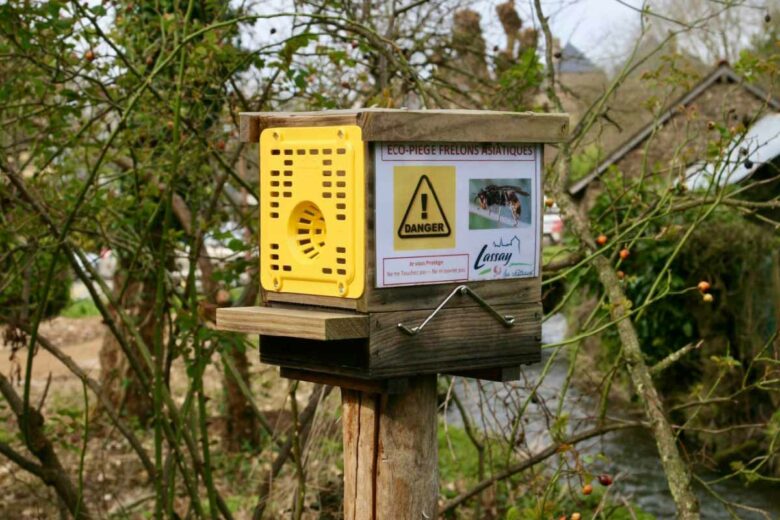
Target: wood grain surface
x,y
391,453
300,323
374,386
398,125
456,339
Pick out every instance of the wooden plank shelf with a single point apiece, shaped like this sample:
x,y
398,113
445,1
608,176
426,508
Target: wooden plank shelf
x,y
308,324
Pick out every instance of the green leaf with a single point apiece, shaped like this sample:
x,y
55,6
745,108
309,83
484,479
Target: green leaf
x,y
238,245
294,44
98,10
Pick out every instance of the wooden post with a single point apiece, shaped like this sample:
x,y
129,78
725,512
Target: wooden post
x,y
390,453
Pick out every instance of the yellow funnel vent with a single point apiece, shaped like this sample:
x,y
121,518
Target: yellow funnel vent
x,y
312,210
308,226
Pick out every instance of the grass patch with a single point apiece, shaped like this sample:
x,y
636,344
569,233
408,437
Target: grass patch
x,y
458,459
80,309
555,252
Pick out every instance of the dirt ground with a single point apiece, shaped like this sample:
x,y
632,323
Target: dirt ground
x,y
79,338
114,481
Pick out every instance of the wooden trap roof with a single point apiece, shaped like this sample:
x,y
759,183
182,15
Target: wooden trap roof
x,y
398,125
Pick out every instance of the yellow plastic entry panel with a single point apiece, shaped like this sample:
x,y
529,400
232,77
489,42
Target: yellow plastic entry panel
x,y
312,210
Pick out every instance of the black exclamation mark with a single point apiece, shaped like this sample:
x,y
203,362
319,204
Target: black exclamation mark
x,y
424,206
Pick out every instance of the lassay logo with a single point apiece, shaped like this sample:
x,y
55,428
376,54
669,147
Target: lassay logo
x,y
500,254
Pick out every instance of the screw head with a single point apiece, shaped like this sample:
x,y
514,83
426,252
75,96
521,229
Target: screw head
x,y
340,134
341,288
276,135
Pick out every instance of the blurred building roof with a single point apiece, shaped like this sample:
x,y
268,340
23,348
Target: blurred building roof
x,y
745,155
573,61
720,74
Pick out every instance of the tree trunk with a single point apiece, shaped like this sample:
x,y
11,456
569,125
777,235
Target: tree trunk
x,y
678,475
241,426
676,470
117,378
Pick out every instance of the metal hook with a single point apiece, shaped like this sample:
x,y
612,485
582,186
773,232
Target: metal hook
x,y
462,290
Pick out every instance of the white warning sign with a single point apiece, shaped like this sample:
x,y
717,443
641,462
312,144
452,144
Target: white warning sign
x,y
457,212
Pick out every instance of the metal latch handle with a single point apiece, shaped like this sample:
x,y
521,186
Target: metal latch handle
x,y
462,290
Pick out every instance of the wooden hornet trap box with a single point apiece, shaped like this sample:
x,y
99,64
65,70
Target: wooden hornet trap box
x,y
398,242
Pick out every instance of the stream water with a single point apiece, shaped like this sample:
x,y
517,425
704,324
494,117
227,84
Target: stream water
x,y
630,455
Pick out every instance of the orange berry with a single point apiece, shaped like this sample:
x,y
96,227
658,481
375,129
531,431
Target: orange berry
x,y
587,489
704,286
624,253
601,240
708,298
576,516
548,202
89,55
621,275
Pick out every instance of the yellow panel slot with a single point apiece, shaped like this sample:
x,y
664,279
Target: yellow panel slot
x,y
312,210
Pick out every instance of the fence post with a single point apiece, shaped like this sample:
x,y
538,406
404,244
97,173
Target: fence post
x,y
390,453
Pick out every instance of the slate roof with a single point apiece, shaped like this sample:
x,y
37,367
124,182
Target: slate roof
x,y
573,61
